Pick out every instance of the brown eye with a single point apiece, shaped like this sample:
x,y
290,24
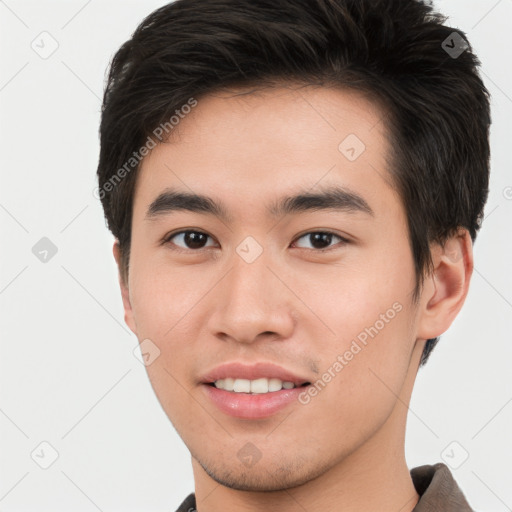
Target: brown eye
x,y
192,240
321,240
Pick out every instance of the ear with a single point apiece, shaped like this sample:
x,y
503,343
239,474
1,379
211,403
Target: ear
x,y
445,290
125,293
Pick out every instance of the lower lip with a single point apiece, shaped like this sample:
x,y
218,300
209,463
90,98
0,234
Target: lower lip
x,y
252,406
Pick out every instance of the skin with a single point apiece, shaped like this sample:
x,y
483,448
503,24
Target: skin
x,y
294,305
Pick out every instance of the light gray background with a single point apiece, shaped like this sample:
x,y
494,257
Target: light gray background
x,y
68,373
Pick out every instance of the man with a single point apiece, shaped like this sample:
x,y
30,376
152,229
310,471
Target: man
x,y
295,187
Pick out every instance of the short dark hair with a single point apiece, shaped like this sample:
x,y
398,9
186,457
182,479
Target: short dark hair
x,y
395,52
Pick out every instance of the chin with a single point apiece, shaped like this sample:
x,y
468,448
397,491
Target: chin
x,y
261,477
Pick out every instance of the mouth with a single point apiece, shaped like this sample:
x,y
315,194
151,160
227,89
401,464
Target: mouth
x,y
253,391
253,399
254,387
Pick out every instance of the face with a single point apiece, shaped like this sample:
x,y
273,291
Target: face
x,y
321,287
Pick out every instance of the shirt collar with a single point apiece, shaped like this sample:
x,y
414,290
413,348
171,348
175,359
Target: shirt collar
x,y
438,490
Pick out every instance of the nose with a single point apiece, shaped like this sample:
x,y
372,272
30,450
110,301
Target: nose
x,y
252,302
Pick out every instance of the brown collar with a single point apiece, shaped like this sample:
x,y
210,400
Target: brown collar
x,y
438,490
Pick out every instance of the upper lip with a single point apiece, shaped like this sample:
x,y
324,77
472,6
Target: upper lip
x,y
252,372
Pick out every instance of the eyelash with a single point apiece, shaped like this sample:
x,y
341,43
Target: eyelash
x,y
168,238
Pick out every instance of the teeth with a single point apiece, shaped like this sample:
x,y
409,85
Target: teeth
x,y
259,386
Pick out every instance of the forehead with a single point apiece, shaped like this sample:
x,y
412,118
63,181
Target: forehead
x,y
249,145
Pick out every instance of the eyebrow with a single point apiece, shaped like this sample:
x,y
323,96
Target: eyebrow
x,y
333,198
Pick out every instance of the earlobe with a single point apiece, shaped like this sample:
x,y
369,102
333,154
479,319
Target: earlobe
x,y
125,292
445,290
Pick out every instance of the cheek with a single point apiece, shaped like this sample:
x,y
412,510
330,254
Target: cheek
x,y
163,303
360,381
365,356
366,289
167,307
161,296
